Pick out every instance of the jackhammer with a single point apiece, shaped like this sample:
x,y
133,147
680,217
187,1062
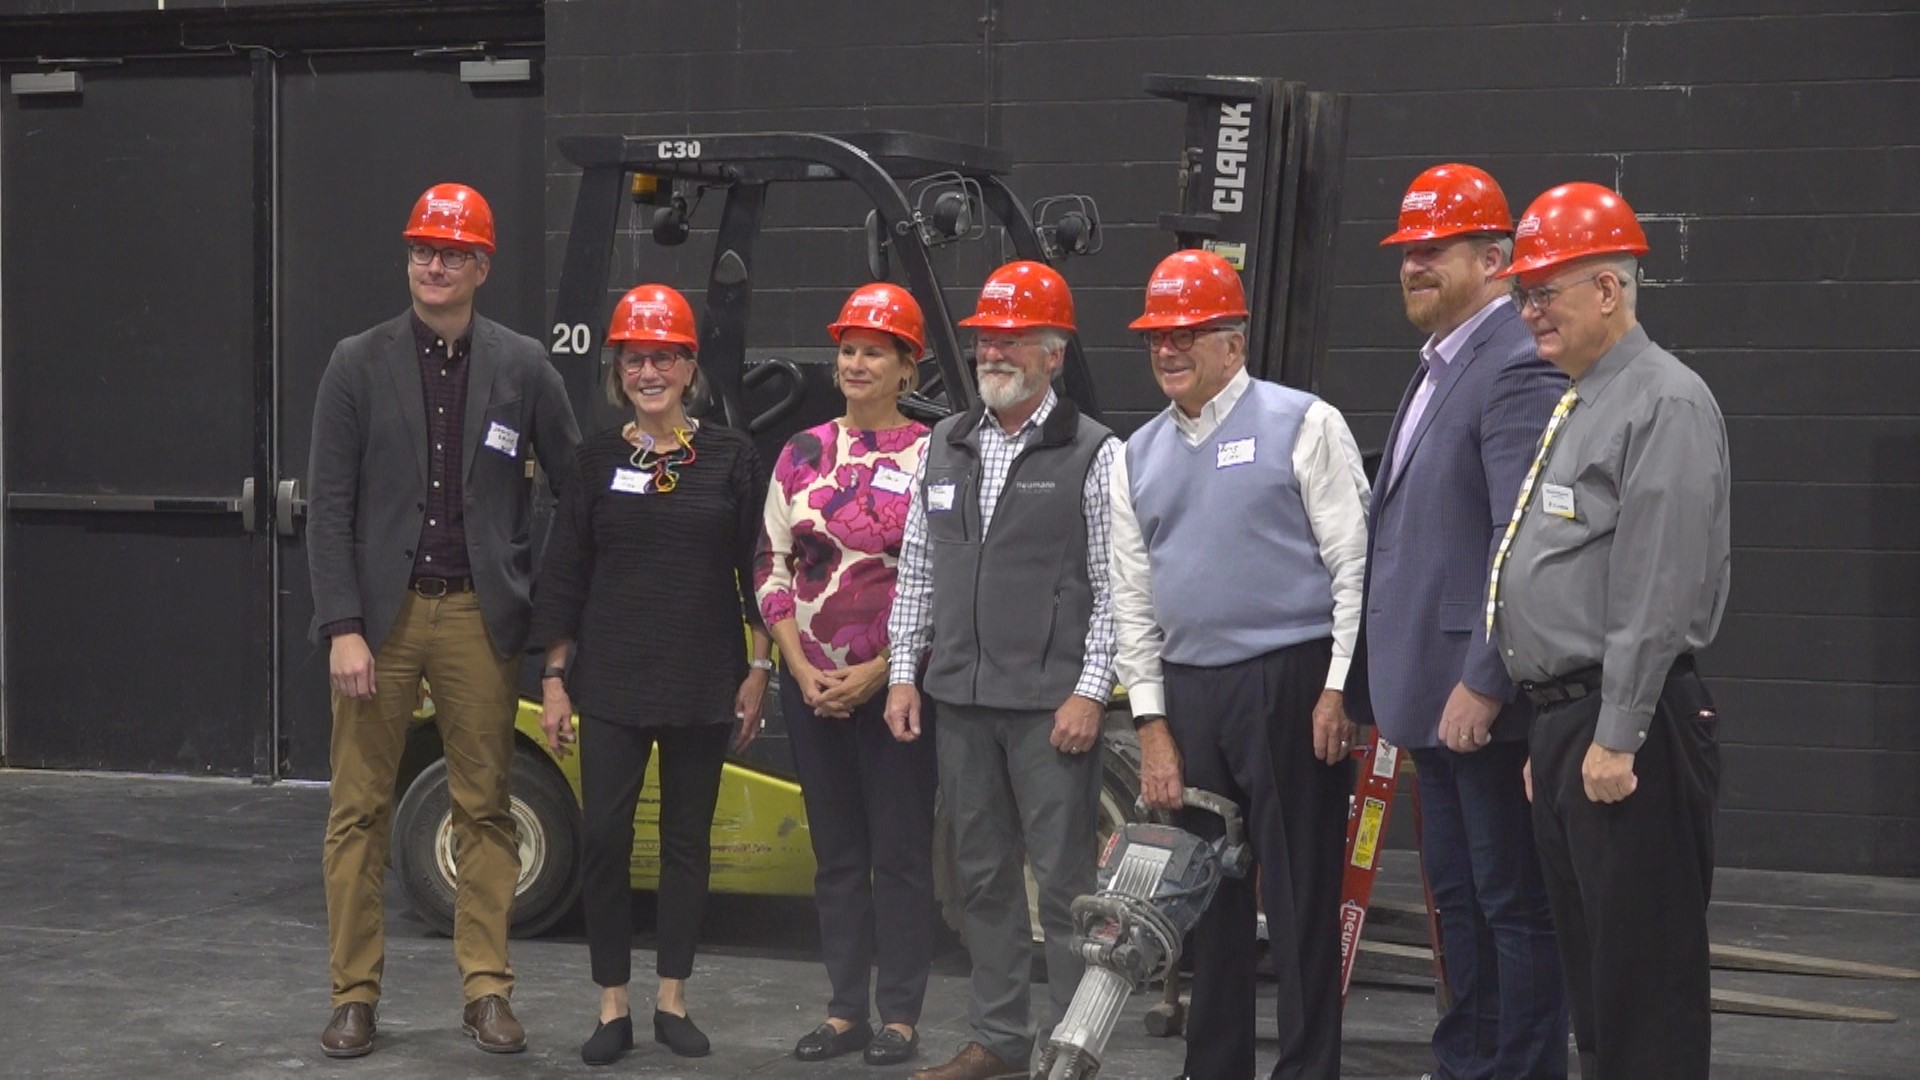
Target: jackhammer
x,y
1154,882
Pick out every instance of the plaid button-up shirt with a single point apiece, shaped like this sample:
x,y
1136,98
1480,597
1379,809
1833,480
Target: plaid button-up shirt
x,y
910,626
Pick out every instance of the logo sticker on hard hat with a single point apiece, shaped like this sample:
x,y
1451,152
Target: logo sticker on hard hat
x,y
1166,287
997,290
1420,200
1528,227
449,207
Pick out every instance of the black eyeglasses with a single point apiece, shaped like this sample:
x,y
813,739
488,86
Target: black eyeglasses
x,y
1181,338
1542,296
451,258
661,361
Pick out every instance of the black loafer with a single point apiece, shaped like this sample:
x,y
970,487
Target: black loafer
x,y
825,1042
608,1041
679,1035
889,1047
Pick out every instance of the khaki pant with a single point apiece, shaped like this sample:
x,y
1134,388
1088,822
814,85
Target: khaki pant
x,y
474,701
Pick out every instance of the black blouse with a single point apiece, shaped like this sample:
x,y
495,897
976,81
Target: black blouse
x,y
653,587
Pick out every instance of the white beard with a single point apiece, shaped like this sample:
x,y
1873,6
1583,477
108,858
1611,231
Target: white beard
x,y
1000,391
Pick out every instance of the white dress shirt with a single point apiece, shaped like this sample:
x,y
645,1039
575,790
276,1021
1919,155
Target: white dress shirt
x,y
1334,492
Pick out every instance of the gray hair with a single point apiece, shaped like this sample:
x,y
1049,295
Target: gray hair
x,y
1627,269
1051,339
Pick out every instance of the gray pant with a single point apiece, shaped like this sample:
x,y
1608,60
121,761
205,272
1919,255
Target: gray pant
x,y
1009,792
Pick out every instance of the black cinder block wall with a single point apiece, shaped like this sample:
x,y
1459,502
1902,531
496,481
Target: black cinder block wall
x,y
1773,148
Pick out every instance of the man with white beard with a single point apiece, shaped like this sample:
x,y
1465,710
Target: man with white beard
x,y
1008,510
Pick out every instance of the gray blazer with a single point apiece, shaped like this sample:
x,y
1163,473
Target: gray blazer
x,y
1434,527
367,475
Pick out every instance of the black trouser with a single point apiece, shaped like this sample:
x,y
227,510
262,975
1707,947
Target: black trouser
x,y
1629,884
870,814
1245,731
613,765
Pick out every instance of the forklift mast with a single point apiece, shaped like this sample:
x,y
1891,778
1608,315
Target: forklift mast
x,y
878,163
1259,185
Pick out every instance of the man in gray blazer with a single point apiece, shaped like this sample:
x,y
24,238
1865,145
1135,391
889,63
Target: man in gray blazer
x,y
1426,673
424,435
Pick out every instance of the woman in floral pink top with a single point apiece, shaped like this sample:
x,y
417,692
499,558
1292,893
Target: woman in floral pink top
x,y
825,574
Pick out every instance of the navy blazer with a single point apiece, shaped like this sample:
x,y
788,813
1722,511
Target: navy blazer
x,y
367,475
1434,525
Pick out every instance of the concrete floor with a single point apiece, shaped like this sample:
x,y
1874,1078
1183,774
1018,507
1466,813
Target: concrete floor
x,y
160,928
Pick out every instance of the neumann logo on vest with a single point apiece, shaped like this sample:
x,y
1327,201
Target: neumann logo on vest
x,y
1230,157
1034,487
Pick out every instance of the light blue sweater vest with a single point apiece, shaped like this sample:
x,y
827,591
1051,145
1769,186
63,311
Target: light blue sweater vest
x,y
1236,569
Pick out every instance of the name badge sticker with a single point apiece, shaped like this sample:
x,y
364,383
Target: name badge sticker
x,y
502,438
1557,499
632,481
892,480
940,497
1237,452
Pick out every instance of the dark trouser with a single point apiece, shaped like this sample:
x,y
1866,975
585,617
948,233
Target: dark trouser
x,y
1245,731
1509,1014
1008,791
870,813
613,765
1629,883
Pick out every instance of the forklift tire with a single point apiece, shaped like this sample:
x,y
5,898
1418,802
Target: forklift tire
x,y
1119,792
547,820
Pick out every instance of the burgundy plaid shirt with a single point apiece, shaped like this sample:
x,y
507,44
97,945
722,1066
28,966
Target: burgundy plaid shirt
x,y
442,551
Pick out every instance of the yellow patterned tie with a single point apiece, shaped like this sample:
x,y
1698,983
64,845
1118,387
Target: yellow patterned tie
x,y
1560,412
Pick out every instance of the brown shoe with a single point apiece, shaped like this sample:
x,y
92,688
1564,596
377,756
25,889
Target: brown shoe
x,y
490,1021
973,1062
350,1033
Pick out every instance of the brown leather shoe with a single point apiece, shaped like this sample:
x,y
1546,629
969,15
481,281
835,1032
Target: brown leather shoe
x,y
973,1062
490,1021
350,1033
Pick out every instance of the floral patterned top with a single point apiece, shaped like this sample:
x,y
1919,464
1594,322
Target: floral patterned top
x,y
835,514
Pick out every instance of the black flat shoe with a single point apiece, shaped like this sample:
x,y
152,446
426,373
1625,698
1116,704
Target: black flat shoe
x,y
608,1041
889,1047
679,1035
825,1042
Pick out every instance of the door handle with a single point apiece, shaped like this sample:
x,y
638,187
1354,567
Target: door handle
x,y
249,516
287,505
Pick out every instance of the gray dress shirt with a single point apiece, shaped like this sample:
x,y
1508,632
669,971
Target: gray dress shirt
x,y
1634,572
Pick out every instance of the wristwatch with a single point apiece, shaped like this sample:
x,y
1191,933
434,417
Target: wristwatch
x,y
554,672
761,665
1141,720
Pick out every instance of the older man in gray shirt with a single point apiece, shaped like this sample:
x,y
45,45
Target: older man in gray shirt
x,y
1612,574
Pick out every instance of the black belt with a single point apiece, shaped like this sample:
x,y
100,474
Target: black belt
x,y
1574,686
1571,687
433,588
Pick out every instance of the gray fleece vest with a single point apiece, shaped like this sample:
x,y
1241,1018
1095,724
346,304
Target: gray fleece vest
x,y
1235,566
1010,608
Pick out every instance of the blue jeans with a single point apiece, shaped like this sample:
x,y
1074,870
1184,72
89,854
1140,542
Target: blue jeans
x,y
1509,1012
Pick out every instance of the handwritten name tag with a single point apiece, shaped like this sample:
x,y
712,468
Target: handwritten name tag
x,y
940,497
502,438
632,481
1237,452
889,479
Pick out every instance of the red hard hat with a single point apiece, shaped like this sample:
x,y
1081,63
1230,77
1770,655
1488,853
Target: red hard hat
x,y
1451,200
1023,295
453,212
1572,222
889,309
1189,288
653,313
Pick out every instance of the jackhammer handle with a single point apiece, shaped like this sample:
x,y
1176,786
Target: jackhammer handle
x,y
1229,812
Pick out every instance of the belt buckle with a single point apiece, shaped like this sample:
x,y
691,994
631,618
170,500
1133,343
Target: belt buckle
x,y
433,588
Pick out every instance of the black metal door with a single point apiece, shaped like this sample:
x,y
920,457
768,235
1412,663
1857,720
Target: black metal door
x,y
138,589
361,137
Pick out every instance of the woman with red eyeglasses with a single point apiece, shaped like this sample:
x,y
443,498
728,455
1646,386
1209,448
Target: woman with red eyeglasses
x,y
648,574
